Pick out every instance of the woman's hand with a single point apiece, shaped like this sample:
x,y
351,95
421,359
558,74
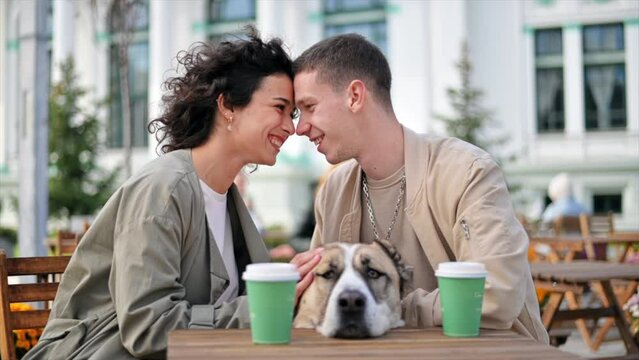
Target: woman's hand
x,y
305,262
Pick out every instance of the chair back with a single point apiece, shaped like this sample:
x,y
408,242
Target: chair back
x,y
598,224
66,242
43,290
565,225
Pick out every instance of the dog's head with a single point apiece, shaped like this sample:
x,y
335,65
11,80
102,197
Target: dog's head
x,y
356,292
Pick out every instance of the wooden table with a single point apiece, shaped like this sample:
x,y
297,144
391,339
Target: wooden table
x,y
558,248
564,248
625,239
572,278
398,344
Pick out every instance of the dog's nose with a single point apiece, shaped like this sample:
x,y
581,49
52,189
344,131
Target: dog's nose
x,y
351,301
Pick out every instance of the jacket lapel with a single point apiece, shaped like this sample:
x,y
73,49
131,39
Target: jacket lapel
x,y
254,243
416,156
219,276
350,226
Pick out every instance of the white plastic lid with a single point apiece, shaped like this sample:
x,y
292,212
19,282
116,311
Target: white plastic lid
x,y
461,270
271,272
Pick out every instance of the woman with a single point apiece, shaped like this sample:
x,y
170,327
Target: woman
x,y
168,249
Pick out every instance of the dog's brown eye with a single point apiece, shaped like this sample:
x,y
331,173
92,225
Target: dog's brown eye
x,y
373,274
328,275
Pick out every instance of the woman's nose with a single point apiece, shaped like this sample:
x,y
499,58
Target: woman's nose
x,y
288,125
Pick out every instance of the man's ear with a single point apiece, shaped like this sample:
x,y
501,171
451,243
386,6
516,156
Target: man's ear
x,y
357,94
226,111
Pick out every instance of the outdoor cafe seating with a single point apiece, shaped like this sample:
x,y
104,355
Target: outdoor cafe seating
x,y
46,270
569,263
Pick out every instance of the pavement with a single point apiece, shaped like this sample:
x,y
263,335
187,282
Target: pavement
x,y
613,346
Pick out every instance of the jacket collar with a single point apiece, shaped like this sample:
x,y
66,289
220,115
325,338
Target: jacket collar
x,y
417,153
415,161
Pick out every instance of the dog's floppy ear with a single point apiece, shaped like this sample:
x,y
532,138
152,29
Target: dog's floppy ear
x,y
405,271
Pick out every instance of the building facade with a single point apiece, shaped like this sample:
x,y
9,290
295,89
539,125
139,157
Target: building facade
x,y
561,76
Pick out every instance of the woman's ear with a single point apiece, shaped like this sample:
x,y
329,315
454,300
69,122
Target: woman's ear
x,y
226,111
357,93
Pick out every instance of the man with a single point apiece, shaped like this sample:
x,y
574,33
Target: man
x,y
563,200
436,199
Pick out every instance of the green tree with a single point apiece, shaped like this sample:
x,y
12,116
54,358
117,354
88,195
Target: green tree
x,y
470,118
77,185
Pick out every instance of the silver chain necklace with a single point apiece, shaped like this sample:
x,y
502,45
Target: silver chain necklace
x,y
369,205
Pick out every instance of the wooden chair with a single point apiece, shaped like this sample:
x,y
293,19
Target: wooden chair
x,y
569,226
566,225
603,224
44,290
66,242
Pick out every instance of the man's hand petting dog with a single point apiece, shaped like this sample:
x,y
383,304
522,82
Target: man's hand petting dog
x,y
305,262
357,291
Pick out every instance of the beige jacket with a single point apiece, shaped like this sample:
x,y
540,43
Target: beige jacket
x,y
147,265
459,207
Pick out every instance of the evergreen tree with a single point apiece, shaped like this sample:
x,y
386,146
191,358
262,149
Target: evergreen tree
x,y
77,185
469,118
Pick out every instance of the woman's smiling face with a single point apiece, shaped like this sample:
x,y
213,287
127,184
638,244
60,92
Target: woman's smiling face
x,y
261,127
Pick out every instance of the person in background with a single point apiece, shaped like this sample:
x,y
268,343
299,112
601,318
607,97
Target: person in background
x,y
435,199
563,201
168,249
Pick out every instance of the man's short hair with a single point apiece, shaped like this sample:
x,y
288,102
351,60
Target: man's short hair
x,y
341,59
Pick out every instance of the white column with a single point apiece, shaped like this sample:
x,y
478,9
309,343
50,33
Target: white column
x,y
13,84
631,33
63,35
101,67
269,17
161,54
407,26
530,96
33,143
573,81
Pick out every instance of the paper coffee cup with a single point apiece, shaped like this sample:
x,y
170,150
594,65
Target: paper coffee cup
x,y
271,297
461,294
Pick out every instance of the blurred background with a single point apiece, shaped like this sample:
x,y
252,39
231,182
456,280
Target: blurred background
x,y
546,86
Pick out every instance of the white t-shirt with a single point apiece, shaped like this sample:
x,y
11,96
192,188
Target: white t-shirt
x,y
220,224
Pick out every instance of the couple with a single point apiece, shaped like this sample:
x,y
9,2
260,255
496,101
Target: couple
x,y
168,249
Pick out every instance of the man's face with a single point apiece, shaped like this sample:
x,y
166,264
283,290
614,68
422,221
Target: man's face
x,y
325,118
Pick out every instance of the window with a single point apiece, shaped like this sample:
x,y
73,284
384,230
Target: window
x,y
549,80
604,77
136,18
226,18
605,203
365,17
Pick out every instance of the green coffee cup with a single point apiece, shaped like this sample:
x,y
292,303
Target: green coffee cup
x,y
271,297
461,294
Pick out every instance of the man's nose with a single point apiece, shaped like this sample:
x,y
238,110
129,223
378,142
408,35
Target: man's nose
x,y
303,127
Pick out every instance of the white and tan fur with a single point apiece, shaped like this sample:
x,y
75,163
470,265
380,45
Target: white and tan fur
x,y
356,292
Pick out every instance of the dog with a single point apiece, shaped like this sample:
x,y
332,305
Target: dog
x,y
356,292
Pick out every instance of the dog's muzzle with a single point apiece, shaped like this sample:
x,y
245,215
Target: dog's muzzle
x,y
352,308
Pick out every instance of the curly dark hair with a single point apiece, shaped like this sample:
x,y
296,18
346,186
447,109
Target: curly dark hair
x,y
232,68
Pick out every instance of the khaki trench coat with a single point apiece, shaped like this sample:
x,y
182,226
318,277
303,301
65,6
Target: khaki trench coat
x,y
147,265
450,185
